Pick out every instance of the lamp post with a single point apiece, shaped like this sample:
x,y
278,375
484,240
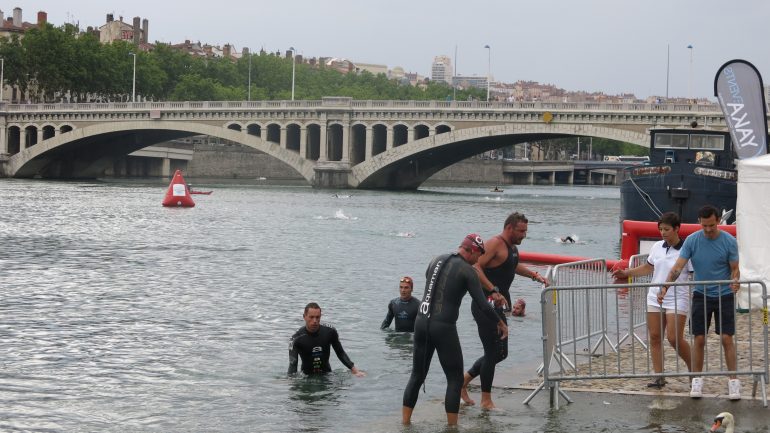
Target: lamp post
x,y
489,67
689,84
293,70
2,82
249,75
133,80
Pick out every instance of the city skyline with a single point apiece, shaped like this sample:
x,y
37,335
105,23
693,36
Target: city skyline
x,y
593,46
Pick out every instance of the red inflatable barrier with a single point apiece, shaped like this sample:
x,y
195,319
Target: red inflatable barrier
x,y
177,194
556,259
634,231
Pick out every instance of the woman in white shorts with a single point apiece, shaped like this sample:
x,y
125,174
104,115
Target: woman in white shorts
x,y
672,314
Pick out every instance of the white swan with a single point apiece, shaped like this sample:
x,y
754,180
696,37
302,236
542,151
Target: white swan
x,y
726,420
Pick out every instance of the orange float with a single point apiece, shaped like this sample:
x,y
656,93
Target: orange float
x,y
177,194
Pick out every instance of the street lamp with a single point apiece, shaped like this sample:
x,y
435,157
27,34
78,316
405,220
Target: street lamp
x,y
249,75
133,80
293,70
489,67
2,83
689,84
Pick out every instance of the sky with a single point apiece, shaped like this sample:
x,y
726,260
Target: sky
x,y
610,46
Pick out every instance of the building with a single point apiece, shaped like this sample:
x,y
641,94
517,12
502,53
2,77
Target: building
x,y
14,24
370,67
441,70
120,31
468,81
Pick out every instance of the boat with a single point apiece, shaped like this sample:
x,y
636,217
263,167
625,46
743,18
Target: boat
x,y
688,168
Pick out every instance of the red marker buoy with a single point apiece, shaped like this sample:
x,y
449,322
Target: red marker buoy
x,y
177,194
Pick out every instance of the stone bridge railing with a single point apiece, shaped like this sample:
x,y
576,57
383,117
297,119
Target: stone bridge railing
x,y
341,102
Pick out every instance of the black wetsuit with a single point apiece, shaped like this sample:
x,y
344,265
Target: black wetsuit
x,y
404,312
495,349
448,278
313,348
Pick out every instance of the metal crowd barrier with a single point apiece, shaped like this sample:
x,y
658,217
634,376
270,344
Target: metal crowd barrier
x,y
579,319
637,303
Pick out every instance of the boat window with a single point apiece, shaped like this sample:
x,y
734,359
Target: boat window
x,y
710,142
704,158
673,141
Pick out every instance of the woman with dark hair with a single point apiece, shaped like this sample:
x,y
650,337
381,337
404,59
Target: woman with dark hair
x,y
670,316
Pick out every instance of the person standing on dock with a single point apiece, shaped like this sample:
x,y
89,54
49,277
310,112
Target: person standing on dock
x,y
714,256
670,316
447,279
497,268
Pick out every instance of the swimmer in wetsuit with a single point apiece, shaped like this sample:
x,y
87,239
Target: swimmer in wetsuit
x,y
312,342
497,268
404,308
448,278
568,239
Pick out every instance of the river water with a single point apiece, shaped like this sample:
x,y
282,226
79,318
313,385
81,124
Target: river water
x,y
120,315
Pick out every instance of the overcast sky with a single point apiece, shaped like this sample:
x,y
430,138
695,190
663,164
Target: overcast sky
x,y
611,46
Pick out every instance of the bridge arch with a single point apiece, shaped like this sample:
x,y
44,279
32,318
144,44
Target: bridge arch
x,y
129,136
418,160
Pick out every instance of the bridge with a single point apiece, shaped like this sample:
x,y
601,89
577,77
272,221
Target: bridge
x,y
334,142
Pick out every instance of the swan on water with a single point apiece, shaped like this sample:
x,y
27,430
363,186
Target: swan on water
x,y
726,420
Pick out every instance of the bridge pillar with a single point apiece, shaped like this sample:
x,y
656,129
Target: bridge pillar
x,y
369,143
324,145
346,143
331,174
303,141
571,177
552,178
39,135
389,138
3,139
165,169
282,142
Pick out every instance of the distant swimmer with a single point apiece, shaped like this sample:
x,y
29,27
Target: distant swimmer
x,y
312,343
404,308
569,239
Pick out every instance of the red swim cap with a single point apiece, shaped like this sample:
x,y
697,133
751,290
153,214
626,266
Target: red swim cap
x,y
474,242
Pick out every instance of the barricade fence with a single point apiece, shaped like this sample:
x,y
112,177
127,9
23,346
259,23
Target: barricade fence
x,y
592,331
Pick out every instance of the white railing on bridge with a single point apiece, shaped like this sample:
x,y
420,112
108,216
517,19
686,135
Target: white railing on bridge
x,y
344,102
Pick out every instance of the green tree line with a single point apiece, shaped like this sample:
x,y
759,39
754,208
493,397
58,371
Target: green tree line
x,y
54,64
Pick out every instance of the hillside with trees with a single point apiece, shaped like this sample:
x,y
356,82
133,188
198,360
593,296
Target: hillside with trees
x,y
55,64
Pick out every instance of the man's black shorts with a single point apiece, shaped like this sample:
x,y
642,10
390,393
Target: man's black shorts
x,y
721,307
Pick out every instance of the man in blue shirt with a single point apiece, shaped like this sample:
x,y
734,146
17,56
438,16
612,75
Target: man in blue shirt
x,y
714,256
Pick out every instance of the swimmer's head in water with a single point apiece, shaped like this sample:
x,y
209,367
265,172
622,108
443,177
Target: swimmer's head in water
x,y
474,243
518,307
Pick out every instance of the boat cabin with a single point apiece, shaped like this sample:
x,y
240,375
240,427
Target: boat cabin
x,y
702,147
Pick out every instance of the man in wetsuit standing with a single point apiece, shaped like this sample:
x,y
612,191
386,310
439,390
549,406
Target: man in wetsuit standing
x,y
404,308
496,268
312,341
448,278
